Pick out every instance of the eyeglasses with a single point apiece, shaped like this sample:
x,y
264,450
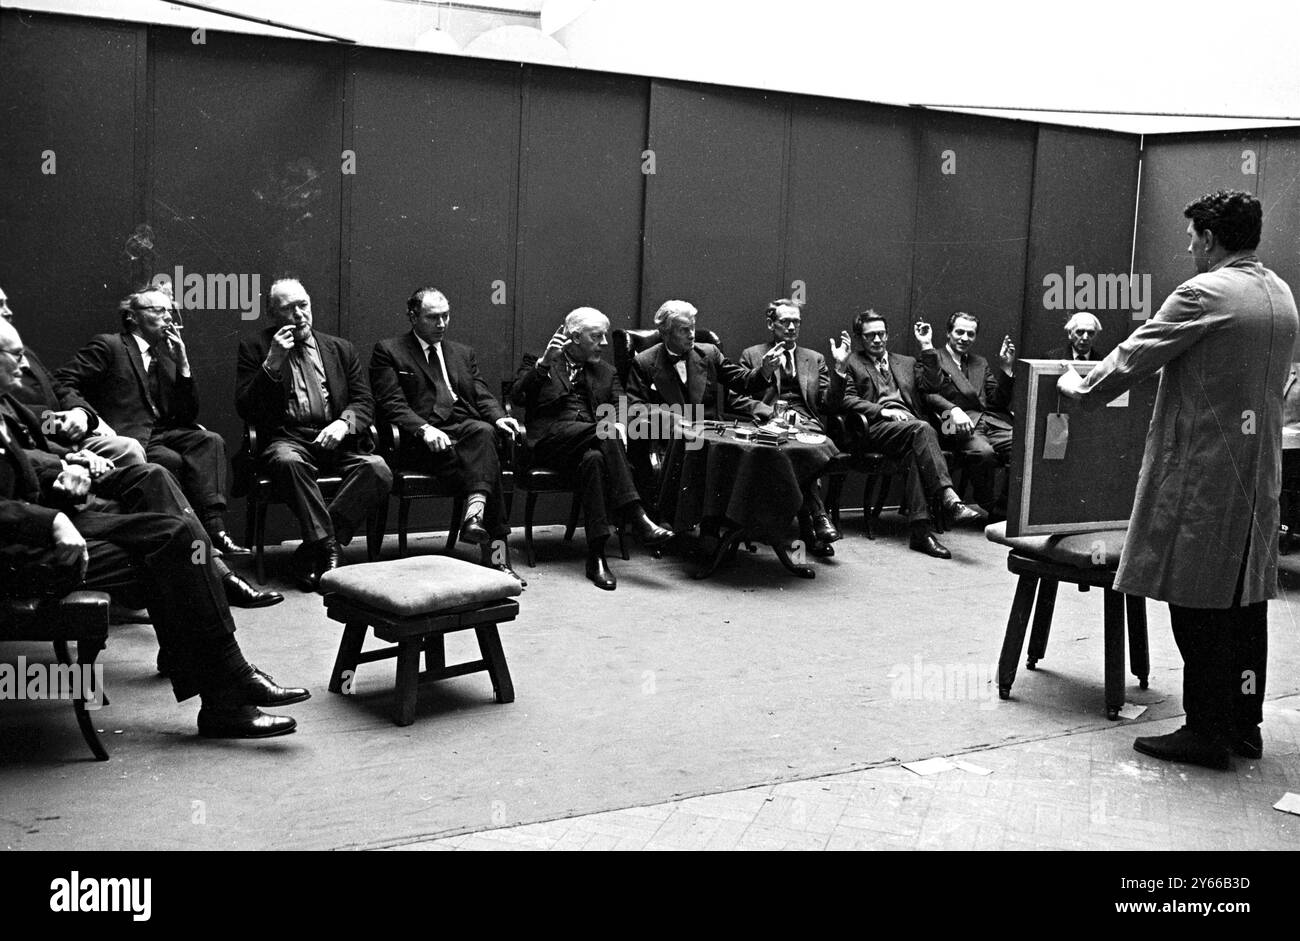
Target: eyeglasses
x,y
19,354
787,321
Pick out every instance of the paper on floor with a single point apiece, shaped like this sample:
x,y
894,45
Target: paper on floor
x,y
1290,803
929,766
1131,710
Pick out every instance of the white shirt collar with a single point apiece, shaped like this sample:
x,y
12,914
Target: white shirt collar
x,y
142,343
424,344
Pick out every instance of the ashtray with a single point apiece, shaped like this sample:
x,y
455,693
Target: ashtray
x,y
809,437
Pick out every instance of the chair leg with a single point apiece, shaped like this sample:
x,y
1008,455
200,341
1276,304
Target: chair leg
x,y
250,520
408,680
87,651
453,528
1043,611
886,481
1114,652
344,673
1138,652
868,500
435,652
1014,640
530,504
834,491
573,519
259,540
376,526
403,523
489,644
622,544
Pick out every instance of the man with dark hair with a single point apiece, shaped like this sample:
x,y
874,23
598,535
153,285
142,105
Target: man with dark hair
x,y
1080,333
796,380
308,397
44,529
432,390
563,395
139,381
881,386
1203,534
973,404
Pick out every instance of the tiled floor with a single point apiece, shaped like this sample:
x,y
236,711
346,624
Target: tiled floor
x,y
1087,790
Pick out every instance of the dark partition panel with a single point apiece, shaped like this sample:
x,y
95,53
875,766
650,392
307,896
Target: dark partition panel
x,y
1175,170
1080,234
852,207
1279,246
67,105
580,200
433,198
714,206
972,224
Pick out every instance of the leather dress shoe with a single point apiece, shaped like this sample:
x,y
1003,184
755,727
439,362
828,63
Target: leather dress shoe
x,y
1249,744
260,689
824,530
222,542
505,567
303,566
240,594
599,572
958,513
474,532
823,550
648,531
1186,746
329,556
925,542
242,722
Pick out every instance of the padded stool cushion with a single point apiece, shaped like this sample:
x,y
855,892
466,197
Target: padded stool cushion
x,y
419,585
1077,549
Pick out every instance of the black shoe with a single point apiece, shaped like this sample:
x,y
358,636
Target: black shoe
x,y
1249,744
260,690
958,513
824,530
647,531
242,722
240,594
329,556
599,573
822,550
473,531
925,542
303,566
222,542
1185,746
505,567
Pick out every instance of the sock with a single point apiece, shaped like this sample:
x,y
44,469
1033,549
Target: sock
x,y
475,504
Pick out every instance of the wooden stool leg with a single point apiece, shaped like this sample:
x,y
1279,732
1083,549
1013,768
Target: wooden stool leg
x,y
1014,640
86,653
1043,611
489,644
408,680
345,662
530,504
1114,655
435,652
1139,657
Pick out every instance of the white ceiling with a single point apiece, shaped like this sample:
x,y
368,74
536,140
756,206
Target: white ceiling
x,y
1144,67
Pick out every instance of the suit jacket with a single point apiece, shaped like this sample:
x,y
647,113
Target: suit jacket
x,y
653,380
1207,494
108,372
542,395
987,390
260,399
862,388
403,383
822,390
23,522
1065,352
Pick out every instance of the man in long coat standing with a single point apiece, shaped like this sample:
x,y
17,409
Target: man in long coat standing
x,y
1203,535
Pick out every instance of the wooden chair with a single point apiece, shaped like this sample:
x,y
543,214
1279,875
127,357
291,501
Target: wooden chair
x,y
254,484
80,617
848,430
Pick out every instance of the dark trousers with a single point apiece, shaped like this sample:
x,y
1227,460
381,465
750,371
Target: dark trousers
x,y
1225,661
918,440
983,450
470,465
197,458
294,463
597,468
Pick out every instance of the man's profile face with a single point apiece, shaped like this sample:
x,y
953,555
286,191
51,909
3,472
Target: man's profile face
x,y
784,324
153,315
430,324
5,312
589,341
875,338
962,335
12,360
1197,249
290,304
1081,339
678,332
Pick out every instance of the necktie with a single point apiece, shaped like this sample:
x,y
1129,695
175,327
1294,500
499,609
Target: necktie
x,y
444,397
312,382
678,362
882,366
155,383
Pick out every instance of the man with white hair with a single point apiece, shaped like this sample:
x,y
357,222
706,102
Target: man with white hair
x,y
1080,332
562,394
681,372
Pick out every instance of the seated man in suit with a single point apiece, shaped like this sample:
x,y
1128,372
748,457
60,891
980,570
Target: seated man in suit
x,y
1080,333
307,395
882,387
50,542
973,402
432,390
796,376
562,395
68,419
139,381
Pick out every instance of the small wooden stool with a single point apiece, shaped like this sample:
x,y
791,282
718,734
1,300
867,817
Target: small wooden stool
x,y
1084,559
413,603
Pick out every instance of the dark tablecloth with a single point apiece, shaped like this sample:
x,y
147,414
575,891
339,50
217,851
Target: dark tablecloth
x,y
757,487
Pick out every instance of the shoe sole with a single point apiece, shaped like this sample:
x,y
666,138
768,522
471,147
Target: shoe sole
x,y
480,538
274,733
261,603
1184,759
